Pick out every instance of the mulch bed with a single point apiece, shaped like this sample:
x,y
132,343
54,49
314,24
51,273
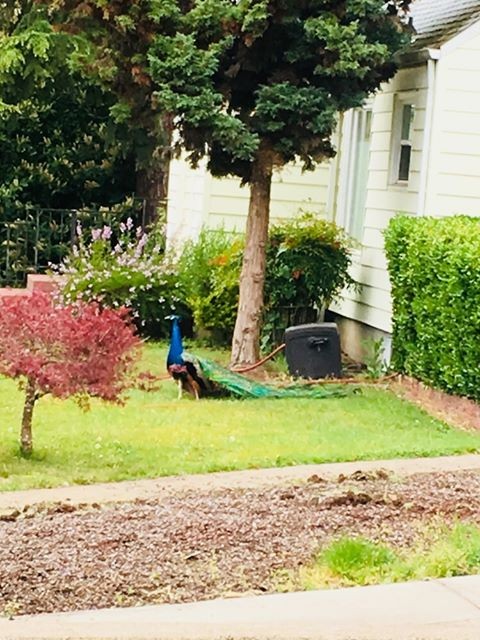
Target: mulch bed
x,y
201,545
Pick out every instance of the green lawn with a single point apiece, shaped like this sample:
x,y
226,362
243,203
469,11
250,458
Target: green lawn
x,y
155,435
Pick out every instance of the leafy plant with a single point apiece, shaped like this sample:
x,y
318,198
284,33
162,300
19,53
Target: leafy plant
x,y
307,266
434,267
123,266
208,273
60,146
77,350
373,357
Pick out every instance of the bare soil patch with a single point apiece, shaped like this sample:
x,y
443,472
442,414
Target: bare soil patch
x,y
455,410
204,544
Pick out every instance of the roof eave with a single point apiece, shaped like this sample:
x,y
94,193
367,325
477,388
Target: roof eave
x,y
417,57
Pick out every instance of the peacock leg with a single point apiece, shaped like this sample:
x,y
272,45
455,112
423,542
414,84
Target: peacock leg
x,y
180,389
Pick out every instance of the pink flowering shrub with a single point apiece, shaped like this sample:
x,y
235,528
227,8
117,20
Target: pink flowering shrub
x,y
123,268
77,350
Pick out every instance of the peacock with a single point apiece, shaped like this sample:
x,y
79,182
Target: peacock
x,y
182,368
204,378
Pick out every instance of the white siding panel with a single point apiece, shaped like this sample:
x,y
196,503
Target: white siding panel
x,y
378,180
372,316
454,173
458,185
371,277
292,190
465,143
397,199
447,205
372,297
384,200
380,141
463,80
468,103
459,164
378,218
374,257
186,202
380,161
384,101
382,122
462,122
373,238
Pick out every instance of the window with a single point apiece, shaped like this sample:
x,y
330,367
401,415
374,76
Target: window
x,y
354,170
402,139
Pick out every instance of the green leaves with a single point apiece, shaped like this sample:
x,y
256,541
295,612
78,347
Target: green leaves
x,y
213,297
282,70
307,266
434,267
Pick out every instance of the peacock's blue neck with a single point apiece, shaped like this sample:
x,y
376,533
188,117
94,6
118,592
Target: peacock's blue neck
x,y
176,347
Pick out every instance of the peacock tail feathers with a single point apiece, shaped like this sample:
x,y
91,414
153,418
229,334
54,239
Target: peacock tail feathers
x,y
242,387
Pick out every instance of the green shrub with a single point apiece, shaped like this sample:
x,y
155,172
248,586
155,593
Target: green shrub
x,y
307,266
434,267
208,273
124,266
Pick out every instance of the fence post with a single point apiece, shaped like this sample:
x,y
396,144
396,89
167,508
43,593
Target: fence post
x,y
37,238
73,227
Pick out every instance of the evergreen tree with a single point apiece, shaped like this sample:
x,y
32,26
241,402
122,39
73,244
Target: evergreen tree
x,y
255,84
59,145
117,37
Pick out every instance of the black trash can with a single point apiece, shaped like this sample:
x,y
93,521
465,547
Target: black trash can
x,y
313,350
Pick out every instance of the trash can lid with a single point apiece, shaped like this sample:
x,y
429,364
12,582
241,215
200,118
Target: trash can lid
x,y
312,329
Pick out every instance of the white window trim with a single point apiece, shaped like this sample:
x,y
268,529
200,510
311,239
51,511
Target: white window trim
x,y
401,100
347,163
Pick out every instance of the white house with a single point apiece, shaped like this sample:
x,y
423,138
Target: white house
x,y
414,147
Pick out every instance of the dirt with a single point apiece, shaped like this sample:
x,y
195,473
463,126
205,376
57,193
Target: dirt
x,y
455,410
203,544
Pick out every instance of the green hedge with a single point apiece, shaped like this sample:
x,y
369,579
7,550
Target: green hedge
x,y
434,267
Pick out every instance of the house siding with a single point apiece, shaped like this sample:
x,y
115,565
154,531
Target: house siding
x,y
197,199
187,197
453,180
371,305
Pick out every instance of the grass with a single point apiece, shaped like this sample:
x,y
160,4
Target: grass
x,y
440,551
155,435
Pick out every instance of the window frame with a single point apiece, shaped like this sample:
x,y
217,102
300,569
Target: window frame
x,y
348,162
398,143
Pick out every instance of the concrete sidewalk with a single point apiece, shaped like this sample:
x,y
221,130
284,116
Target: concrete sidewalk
x,y
158,488
446,609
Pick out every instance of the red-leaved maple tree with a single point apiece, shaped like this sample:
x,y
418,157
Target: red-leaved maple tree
x,y
80,350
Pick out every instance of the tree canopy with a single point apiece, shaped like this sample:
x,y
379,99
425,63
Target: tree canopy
x,y
60,147
254,84
116,39
235,74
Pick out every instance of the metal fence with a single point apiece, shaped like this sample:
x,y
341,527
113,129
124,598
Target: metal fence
x,y
33,239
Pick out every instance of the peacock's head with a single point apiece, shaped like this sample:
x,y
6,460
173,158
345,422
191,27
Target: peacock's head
x,y
173,318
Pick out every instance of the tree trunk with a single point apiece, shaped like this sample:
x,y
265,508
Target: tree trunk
x,y
152,180
26,446
151,185
246,336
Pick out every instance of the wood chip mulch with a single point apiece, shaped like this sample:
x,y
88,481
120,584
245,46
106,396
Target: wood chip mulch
x,y
199,545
